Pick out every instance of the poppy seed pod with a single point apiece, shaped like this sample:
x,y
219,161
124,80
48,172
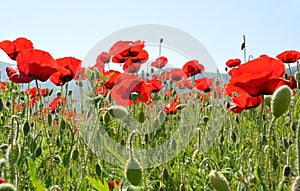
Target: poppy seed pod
x,y
297,76
133,172
117,111
267,100
280,101
218,181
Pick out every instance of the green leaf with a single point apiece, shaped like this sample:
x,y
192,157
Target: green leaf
x,y
97,184
83,185
37,184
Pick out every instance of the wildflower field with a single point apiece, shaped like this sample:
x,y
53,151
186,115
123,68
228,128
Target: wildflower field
x,y
157,129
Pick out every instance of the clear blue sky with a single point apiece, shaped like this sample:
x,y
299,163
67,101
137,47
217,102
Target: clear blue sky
x,y
72,28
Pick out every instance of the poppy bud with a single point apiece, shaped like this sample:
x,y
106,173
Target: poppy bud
x,y
297,76
165,174
161,116
117,111
13,154
97,73
286,170
106,118
133,172
1,104
218,181
296,184
26,128
134,96
280,101
267,99
7,187
141,117
58,93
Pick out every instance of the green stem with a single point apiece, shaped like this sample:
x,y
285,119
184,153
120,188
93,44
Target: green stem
x,y
298,147
267,165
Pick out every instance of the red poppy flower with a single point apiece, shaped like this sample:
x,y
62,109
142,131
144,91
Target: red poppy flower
x,y
185,84
3,86
160,62
192,68
289,56
17,76
261,76
126,85
56,103
124,50
244,101
156,85
33,92
13,48
204,84
67,69
112,183
37,64
171,107
175,74
233,63
101,60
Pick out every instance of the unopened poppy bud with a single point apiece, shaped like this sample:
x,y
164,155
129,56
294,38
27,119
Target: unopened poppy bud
x,y
1,104
165,174
117,111
267,100
297,76
286,170
26,128
58,93
97,73
13,154
7,187
296,184
280,101
161,116
134,96
133,172
106,118
218,181
141,117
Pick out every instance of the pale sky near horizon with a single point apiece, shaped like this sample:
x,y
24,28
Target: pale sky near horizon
x,y
72,28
